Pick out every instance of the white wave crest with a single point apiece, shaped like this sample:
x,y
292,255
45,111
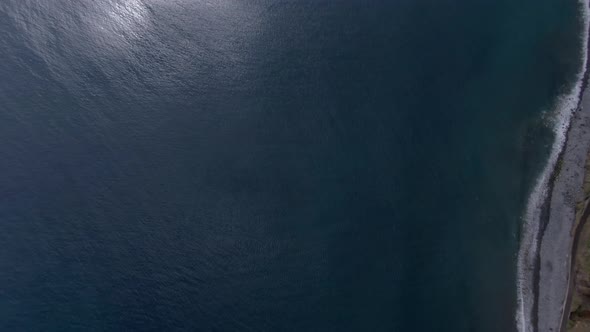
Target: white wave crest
x,y
527,255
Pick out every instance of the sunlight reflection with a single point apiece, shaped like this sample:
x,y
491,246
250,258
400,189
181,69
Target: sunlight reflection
x,y
126,18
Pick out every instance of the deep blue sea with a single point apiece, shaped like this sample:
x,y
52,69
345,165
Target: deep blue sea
x,y
268,165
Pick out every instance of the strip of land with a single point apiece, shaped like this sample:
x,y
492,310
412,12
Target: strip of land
x,y
557,235
578,299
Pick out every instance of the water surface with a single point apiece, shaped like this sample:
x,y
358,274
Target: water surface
x,y
272,165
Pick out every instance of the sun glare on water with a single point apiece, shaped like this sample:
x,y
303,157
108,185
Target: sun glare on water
x,y
127,18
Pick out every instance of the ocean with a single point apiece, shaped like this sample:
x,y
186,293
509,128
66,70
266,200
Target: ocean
x,y
225,165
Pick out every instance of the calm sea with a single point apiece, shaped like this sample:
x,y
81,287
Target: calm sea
x,y
225,165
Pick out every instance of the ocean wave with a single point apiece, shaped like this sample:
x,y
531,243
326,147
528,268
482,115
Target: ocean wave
x,y
565,108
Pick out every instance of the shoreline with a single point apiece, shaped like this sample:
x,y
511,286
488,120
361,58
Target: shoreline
x,y
557,233
558,238
544,257
559,243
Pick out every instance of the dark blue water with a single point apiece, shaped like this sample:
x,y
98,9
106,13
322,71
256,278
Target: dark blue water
x,y
226,165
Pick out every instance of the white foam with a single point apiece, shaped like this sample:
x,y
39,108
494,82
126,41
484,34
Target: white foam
x,y
564,110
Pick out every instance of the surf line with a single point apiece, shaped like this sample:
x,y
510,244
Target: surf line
x,y
529,243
